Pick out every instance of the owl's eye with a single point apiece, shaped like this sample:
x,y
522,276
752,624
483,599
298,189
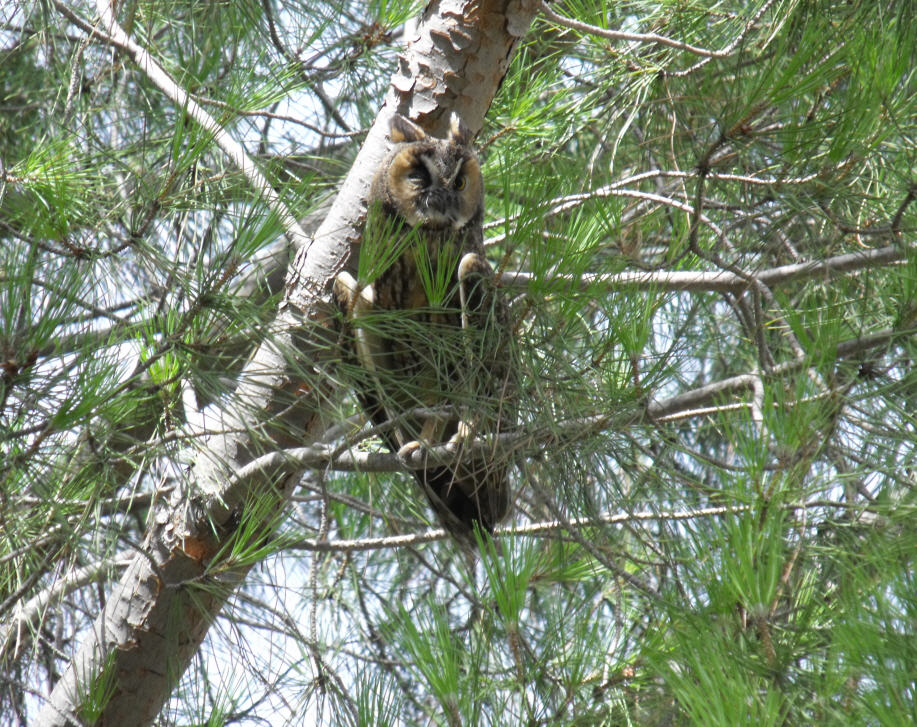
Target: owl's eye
x,y
419,177
460,182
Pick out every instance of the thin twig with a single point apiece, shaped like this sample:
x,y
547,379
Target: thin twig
x,y
704,395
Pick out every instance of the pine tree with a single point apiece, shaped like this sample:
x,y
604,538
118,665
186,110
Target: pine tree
x,y
704,217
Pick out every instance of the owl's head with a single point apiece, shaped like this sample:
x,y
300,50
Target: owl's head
x,y
431,182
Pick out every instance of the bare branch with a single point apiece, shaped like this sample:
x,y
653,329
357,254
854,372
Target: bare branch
x,y
547,527
652,37
724,281
687,404
704,395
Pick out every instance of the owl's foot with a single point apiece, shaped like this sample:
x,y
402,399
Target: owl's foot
x,y
474,265
477,292
409,448
464,433
350,296
455,443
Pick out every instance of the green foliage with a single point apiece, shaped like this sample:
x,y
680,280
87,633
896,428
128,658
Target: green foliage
x,y
722,479
98,694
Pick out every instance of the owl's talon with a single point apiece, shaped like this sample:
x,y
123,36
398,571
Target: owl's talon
x,y
345,288
408,449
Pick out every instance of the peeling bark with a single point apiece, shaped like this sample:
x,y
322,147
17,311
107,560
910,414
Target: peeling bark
x,y
159,612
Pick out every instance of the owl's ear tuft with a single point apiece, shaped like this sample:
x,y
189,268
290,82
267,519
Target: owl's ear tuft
x,y
402,129
458,132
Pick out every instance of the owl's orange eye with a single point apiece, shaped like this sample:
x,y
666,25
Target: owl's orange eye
x,y
460,182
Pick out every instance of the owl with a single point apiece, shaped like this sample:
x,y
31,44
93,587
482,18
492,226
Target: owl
x,y
428,327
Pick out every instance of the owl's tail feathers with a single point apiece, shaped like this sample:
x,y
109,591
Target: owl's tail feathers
x,y
464,498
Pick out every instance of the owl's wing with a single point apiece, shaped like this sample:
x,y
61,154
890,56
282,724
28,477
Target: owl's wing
x,y
369,350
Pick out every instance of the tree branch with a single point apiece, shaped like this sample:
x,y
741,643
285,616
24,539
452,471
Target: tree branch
x,y
723,281
118,38
705,395
546,527
25,618
690,403
651,37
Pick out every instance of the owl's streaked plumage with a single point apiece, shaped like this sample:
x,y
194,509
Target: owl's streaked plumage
x,y
428,325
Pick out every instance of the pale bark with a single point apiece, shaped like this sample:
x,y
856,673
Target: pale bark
x,y
159,612
724,281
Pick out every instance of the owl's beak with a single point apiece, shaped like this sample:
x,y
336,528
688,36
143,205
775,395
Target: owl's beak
x,y
440,207
441,201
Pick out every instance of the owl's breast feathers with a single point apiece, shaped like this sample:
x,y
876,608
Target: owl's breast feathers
x,y
403,286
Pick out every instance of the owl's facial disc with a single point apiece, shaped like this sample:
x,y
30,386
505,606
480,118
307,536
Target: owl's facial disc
x,y
438,202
